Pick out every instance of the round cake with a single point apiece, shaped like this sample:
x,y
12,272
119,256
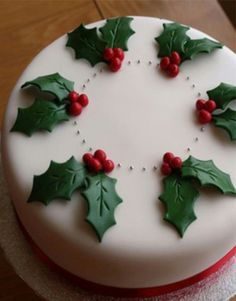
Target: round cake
x,y
135,115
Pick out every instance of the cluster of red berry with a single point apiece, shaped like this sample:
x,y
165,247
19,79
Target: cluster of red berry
x,y
98,161
204,110
115,57
77,102
170,163
171,63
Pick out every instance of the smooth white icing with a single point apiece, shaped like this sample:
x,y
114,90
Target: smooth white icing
x,y
136,115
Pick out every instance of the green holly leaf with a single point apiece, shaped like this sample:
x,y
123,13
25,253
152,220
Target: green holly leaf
x,y
179,197
41,115
226,121
222,95
117,31
86,44
194,47
173,38
102,200
59,181
207,174
54,84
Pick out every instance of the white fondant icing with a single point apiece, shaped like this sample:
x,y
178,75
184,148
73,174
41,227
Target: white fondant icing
x,y
136,115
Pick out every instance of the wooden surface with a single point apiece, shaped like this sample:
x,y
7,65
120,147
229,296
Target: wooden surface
x,y
26,27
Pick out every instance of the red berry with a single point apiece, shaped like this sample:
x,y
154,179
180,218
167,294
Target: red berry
x,y
83,100
119,52
166,169
176,163
204,116
200,104
165,62
115,64
100,155
175,58
168,157
108,54
73,96
173,70
108,165
95,165
87,157
75,109
210,106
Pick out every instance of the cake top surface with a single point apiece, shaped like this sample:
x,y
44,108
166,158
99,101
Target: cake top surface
x,y
136,115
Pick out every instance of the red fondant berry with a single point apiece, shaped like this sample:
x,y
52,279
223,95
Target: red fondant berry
x,y
204,116
165,62
166,169
108,165
210,105
119,53
175,58
73,96
168,157
100,155
200,104
176,163
75,109
173,70
87,157
83,100
108,54
95,165
115,64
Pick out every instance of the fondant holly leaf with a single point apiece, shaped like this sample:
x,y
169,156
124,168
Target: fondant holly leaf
x,y
173,38
54,84
194,47
102,200
59,181
226,121
117,31
41,115
207,174
179,197
222,95
86,44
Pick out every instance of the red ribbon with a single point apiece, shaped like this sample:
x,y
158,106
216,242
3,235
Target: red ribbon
x,y
126,292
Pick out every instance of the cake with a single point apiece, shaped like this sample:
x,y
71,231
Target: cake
x,y
136,115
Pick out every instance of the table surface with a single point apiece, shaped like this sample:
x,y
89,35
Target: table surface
x,y
28,26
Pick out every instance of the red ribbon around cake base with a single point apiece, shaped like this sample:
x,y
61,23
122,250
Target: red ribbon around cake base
x,y
126,292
